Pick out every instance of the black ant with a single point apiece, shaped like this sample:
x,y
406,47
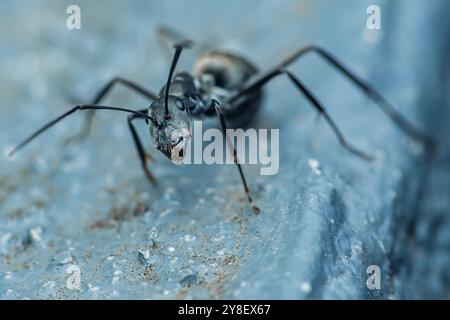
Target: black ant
x,y
224,85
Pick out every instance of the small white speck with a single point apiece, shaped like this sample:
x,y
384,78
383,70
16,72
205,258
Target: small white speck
x,y
218,238
305,287
144,255
168,193
165,212
64,257
415,147
188,238
171,249
6,152
315,167
152,234
49,284
36,234
92,289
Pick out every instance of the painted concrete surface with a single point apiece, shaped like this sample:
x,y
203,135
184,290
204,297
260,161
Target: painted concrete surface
x,y
82,221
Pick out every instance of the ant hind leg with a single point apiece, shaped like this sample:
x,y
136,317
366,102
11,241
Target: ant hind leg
x,y
314,102
401,122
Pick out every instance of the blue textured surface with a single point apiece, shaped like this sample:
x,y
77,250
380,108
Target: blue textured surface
x,y
89,205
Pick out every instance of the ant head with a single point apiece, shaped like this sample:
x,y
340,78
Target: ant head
x,y
170,133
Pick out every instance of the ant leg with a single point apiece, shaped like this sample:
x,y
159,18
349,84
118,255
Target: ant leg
x,y
236,160
100,95
363,85
143,156
317,105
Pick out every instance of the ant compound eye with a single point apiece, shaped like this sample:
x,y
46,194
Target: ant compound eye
x,y
181,153
180,105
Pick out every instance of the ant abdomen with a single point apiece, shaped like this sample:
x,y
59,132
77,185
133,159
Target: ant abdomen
x,y
229,70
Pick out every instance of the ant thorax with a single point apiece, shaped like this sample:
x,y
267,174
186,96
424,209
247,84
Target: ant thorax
x,y
206,86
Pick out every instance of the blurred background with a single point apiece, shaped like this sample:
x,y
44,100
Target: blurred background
x,y
82,222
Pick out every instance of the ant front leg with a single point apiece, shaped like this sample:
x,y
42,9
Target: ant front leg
x,y
143,156
223,125
84,132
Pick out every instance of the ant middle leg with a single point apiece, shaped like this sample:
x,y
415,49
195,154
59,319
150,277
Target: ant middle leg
x,y
316,104
84,132
143,156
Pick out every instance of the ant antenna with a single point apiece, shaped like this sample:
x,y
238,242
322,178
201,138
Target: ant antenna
x,y
178,48
73,110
